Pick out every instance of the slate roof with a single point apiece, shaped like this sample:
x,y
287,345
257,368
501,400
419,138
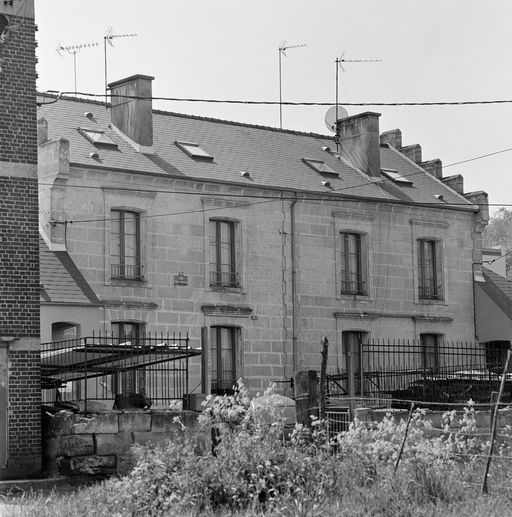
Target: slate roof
x,y
499,289
273,157
61,281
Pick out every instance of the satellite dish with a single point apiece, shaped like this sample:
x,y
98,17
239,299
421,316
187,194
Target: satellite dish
x,y
331,116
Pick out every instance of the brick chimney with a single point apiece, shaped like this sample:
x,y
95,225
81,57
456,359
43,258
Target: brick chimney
x,y
359,142
133,118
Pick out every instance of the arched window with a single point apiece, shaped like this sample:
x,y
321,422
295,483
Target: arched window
x,y
64,330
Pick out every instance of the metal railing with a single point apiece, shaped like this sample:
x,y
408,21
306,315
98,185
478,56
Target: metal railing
x,y
450,372
147,370
127,272
224,279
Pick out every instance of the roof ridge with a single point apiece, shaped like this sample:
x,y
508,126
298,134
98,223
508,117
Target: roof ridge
x,y
195,117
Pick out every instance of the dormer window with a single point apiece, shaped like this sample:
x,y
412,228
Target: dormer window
x,y
393,175
96,137
320,166
194,150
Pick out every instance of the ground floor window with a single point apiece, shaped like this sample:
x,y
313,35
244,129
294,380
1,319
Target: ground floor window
x,y
352,342
223,359
496,355
132,379
430,352
63,331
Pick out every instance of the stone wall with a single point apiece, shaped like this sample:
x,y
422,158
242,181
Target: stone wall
x,y
99,444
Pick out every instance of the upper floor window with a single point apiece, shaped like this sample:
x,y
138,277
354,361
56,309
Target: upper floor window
x,y
429,270
353,264
223,254
125,248
223,360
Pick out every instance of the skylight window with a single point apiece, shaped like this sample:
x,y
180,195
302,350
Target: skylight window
x,y
395,177
194,150
97,137
320,166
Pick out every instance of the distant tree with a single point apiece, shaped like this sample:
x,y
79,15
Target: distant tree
x,y
499,233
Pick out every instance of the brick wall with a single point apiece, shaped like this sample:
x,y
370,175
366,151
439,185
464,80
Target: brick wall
x,y
25,413
19,251
19,257
18,118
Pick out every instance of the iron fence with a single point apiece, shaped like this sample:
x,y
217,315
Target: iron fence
x,y
424,371
126,372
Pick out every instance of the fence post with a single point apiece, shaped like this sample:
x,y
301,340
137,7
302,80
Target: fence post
x,y
405,436
306,395
85,379
323,369
204,360
485,489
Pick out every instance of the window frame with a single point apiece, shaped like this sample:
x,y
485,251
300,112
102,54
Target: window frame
x,y
188,148
426,358
105,140
430,269
345,273
216,359
320,167
138,274
216,272
131,380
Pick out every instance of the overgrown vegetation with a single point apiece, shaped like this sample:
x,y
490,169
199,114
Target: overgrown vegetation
x,y
253,469
499,233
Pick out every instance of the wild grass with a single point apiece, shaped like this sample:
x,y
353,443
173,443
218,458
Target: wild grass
x,y
254,471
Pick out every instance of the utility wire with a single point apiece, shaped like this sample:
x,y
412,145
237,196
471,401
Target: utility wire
x,y
288,103
150,216
477,157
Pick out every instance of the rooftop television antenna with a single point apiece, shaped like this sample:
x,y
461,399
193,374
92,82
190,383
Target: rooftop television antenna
x,y
340,112
109,36
282,52
74,50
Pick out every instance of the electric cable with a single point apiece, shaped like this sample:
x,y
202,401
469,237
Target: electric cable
x,y
286,103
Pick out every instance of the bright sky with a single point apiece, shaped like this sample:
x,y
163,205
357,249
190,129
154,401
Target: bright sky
x,y
434,50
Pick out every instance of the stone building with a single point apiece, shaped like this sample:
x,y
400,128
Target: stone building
x,y
20,393
256,240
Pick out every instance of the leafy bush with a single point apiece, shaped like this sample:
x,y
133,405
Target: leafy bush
x,y
250,468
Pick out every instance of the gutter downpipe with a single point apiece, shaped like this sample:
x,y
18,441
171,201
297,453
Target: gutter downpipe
x,y
294,285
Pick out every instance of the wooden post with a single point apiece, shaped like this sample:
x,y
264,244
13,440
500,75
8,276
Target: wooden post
x,y
485,489
494,400
204,360
405,436
306,395
323,371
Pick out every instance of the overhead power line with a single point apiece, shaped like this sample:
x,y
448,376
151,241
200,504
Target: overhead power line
x,y
477,157
290,103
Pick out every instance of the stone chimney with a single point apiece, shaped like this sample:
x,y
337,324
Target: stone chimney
x,y
455,182
133,118
359,142
392,137
413,152
434,167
